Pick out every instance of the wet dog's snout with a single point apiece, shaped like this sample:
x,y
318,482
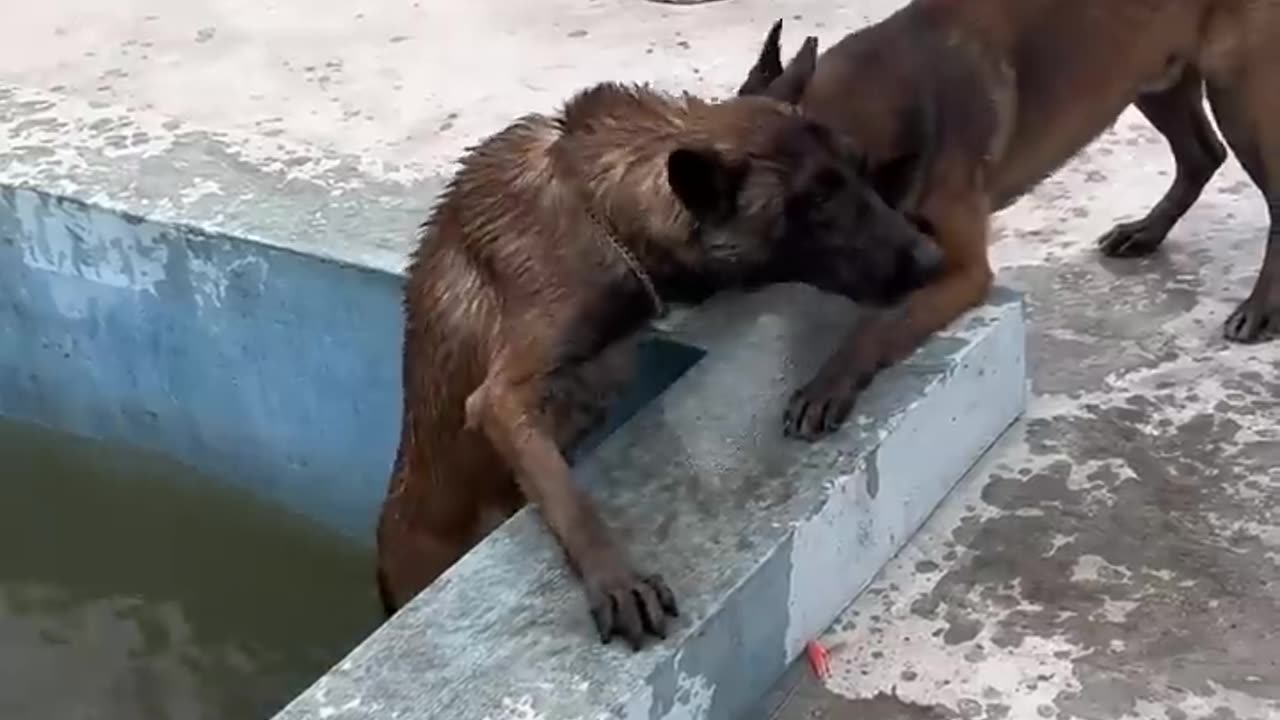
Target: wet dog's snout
x,y
915,264
927,258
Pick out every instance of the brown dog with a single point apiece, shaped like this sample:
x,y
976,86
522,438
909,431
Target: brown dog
x,y
558,238
964,105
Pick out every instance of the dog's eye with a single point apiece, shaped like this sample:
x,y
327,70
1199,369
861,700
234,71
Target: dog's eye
x,y
828,182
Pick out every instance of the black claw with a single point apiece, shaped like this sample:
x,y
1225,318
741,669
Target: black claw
x,y
655,620
1130,240
602,614
630,622
631,607
791,418
666,598
810,419
1246,328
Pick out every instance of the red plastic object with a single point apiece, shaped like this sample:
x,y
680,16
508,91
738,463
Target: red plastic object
x,y
819,658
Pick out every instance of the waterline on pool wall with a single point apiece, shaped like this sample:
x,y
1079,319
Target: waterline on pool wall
x,y
273,369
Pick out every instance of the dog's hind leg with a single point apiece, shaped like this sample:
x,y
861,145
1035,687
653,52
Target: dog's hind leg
x,y
448,489
426,525
1246,109
1178,113
411,555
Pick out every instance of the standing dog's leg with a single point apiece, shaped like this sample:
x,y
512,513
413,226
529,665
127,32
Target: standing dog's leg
x,y
960,218
1246,110
1178,113
623,601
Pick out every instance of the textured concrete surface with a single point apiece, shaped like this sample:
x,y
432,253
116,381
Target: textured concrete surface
x,y
401,86
1093,569
763,539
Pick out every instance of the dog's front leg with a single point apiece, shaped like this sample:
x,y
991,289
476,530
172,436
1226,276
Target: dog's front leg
x,y
623,601
884,337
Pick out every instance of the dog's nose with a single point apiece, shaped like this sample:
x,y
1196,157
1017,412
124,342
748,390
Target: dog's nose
x,y
927,257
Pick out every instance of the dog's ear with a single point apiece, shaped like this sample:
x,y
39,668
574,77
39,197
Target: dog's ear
x,y
770,79
789,87
768,65
705,182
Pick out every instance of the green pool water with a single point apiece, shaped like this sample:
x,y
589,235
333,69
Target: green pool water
x,y
132,588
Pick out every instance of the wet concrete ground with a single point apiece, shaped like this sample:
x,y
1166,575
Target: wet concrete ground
x,y
1117,555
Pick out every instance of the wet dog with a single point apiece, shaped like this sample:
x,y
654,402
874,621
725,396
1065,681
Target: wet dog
x,y
962,106
557,240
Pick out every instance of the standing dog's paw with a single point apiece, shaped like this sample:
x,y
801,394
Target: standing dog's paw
x,y
820,407
1138,238
1253,322
628,604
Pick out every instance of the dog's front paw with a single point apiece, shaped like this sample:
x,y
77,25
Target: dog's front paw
x,y
1255,321
1138,238
628,604
820,407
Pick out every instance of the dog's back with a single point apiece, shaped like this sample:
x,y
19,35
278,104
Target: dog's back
x,y
500,234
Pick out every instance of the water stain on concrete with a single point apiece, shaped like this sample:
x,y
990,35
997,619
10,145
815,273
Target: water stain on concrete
x,y
805,698
1162,566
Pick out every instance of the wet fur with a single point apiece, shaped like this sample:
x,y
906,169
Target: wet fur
x,y
965,105
519,314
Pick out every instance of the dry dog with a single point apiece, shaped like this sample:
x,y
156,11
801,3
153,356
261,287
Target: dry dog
x,y
961,106
557,239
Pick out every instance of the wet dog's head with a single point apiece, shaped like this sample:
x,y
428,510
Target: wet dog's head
x,y
778,197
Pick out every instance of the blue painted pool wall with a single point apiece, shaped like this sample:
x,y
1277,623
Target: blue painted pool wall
x,y
262,366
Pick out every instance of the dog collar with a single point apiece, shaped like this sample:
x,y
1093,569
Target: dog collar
x,y
631,262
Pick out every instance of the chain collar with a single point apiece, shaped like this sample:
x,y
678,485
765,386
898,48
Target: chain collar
x,y
627,257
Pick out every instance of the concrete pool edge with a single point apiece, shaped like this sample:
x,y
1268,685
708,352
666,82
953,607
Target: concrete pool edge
x,y
505,633
279,193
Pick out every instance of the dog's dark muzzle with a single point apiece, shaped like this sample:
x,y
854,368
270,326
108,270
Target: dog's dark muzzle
x,y
913,264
